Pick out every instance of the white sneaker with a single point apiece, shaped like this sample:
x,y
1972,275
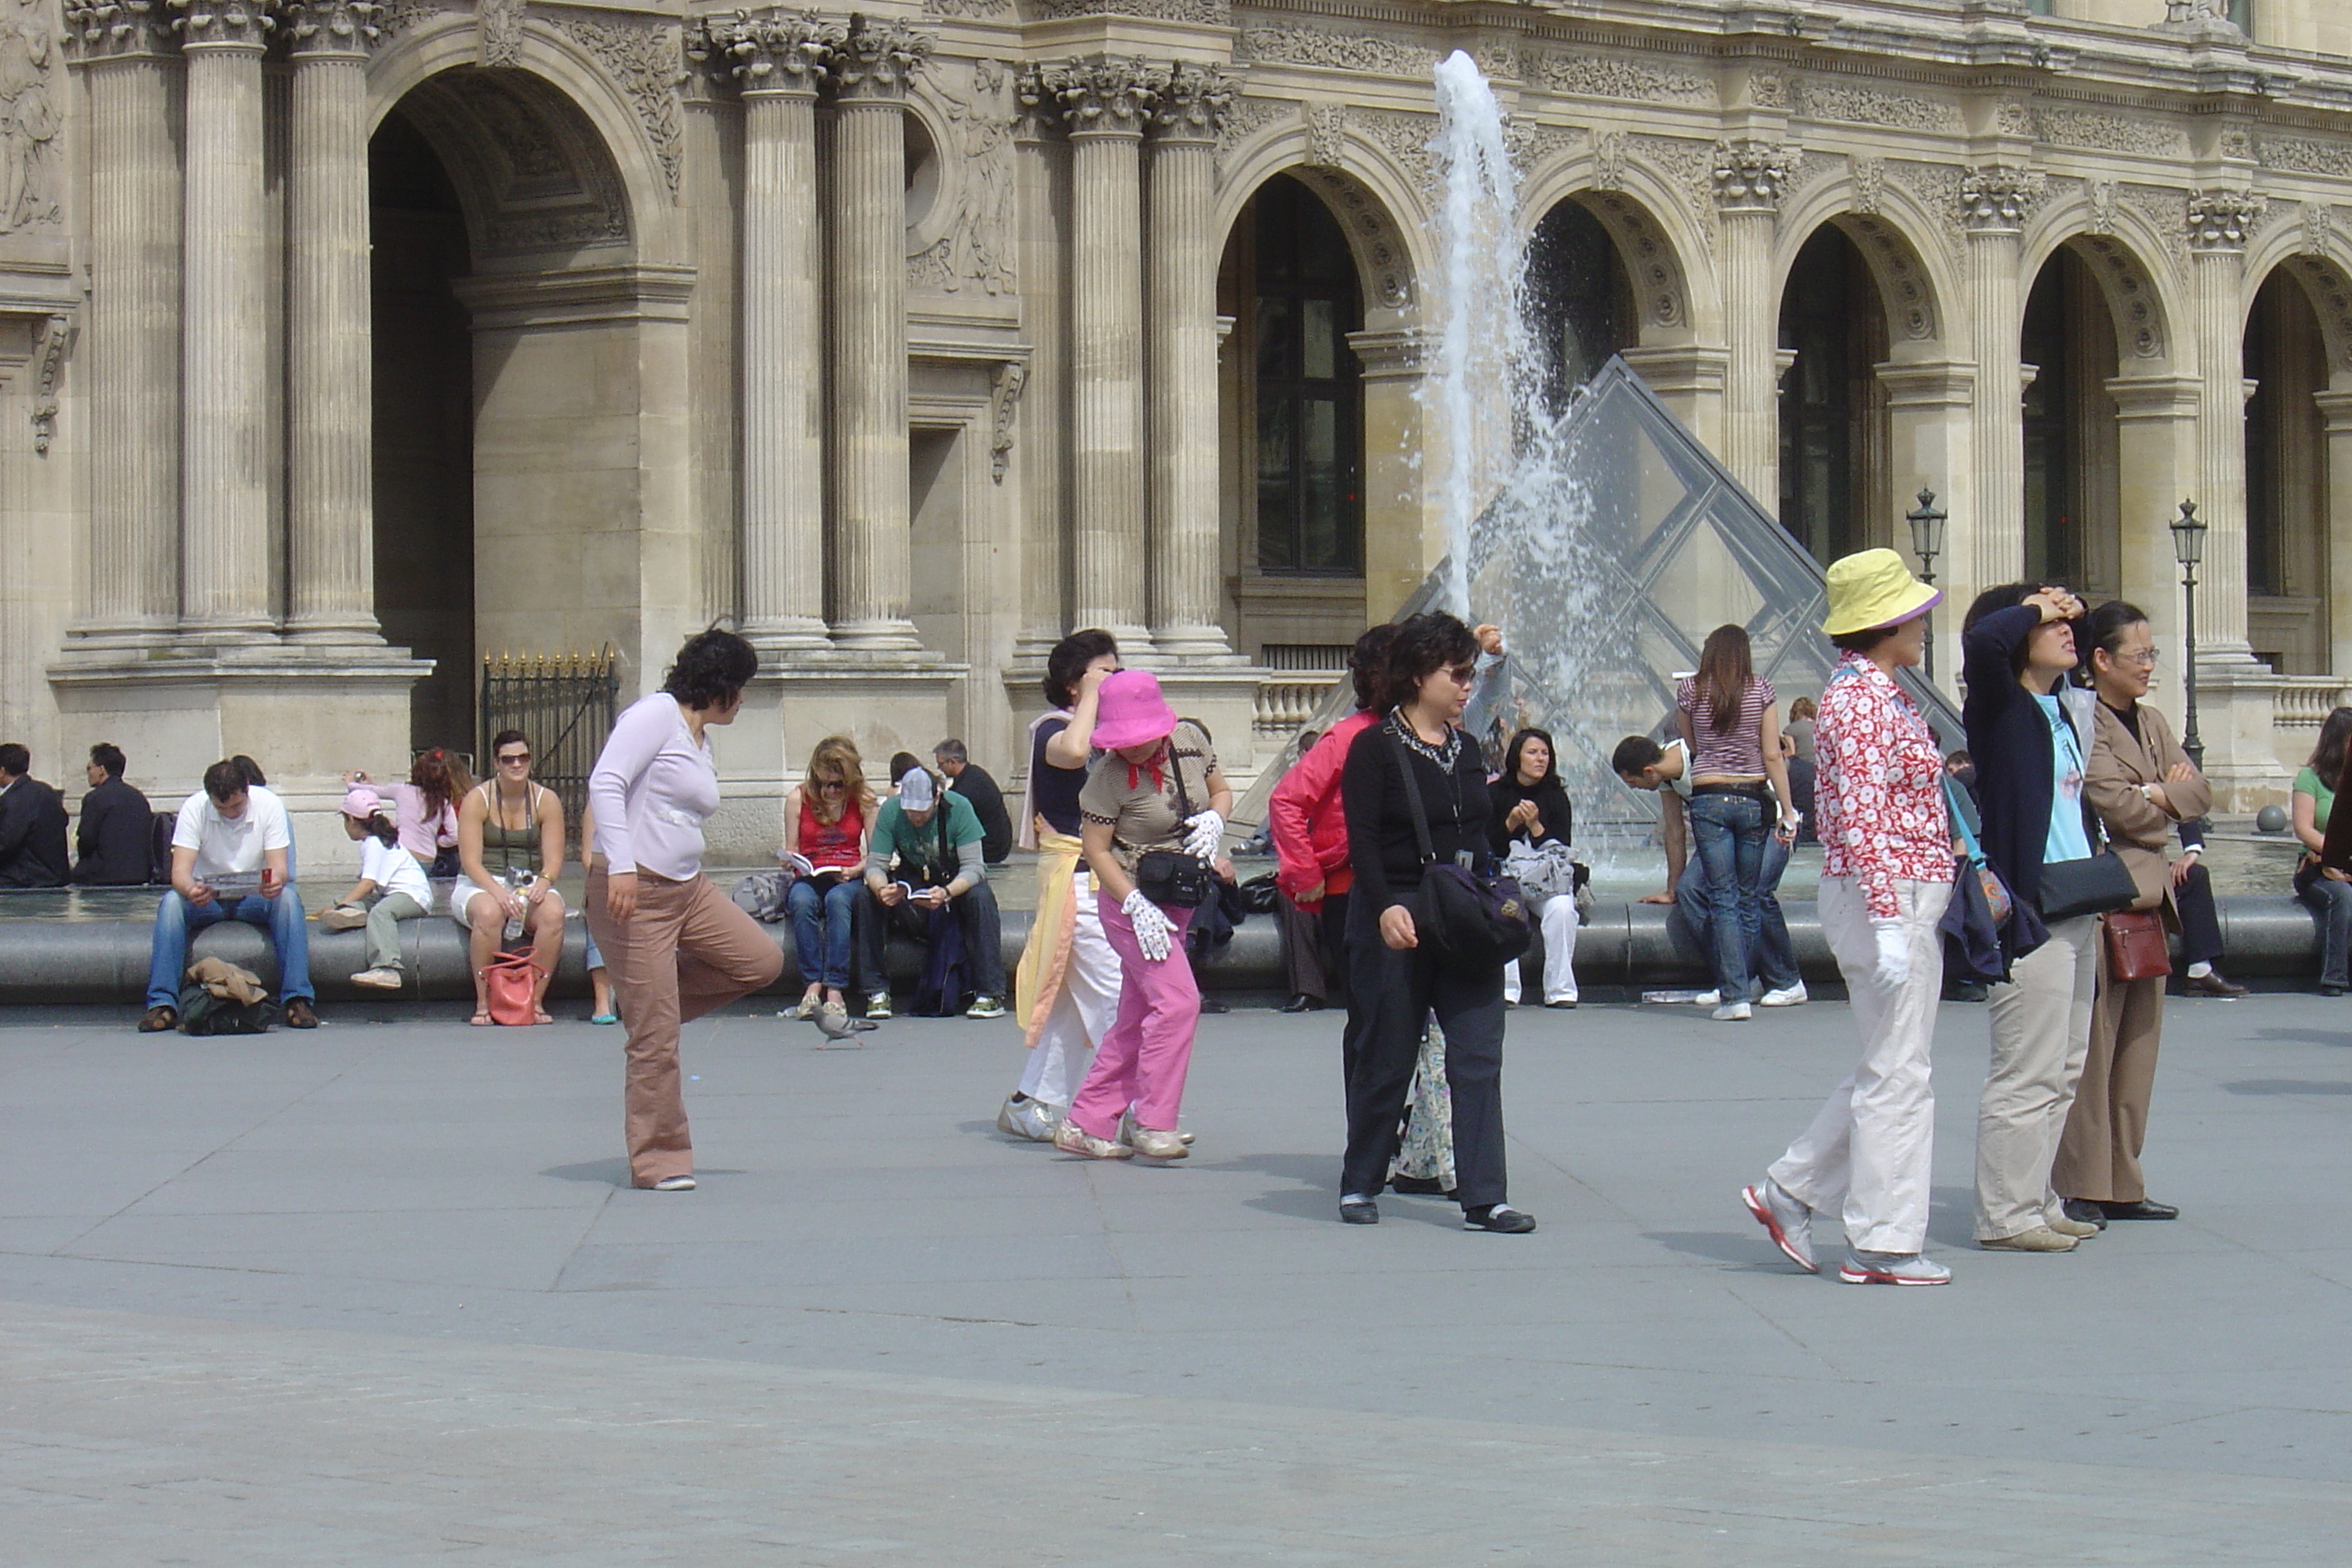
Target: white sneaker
x,y
1788,996
378,979
1032,1119
675,1184
1892,1269
1786,1219
1709,998
1732,1013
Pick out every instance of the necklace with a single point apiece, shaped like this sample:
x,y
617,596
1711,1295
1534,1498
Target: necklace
x,y
1443,757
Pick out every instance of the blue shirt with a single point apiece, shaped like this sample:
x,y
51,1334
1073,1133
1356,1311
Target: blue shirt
x,y
2067,841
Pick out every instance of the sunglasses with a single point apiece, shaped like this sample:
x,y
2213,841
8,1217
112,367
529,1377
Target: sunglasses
x,y
513,758
831,785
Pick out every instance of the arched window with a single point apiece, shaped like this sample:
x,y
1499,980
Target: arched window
x,y
1580,300
1833,409
1308,391
2072,446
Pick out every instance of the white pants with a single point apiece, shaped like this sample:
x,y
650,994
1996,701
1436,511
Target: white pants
x,y
1558,914
1871,1147
1082,1009
2040,1029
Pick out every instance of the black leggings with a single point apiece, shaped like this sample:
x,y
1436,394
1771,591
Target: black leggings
x,y
1393,993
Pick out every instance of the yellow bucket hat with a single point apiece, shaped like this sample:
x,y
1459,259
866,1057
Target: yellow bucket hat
x,y
1872,588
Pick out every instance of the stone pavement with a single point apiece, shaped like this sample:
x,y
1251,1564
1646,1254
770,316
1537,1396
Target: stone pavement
x,y
374,1295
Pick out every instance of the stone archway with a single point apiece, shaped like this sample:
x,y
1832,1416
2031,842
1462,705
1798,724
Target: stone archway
x,y
519,283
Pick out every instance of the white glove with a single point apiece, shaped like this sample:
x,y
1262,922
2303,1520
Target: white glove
x,y
1152,928
1208,834
1894,951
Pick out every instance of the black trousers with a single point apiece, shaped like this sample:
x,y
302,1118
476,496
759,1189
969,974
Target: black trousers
x,y
1302,949
2200,917
1338,973
975,911
1396,992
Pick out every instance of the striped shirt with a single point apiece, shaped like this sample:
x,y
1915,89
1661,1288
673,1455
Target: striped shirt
x,y
1739,752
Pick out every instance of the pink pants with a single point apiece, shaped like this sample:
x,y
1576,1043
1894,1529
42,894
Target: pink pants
x,y
1141,1062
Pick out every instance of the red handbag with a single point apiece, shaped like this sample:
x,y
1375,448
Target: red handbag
x,y
2137,949
510,981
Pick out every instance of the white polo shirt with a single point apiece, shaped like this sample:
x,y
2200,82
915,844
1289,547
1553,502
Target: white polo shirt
x,y
224,846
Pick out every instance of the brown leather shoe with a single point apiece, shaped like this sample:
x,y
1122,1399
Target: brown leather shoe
x,y
300,1015
2211,984
158,1019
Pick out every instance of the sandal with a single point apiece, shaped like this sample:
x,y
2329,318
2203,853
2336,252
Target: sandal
x,y
604,1018
481,1018
541,1016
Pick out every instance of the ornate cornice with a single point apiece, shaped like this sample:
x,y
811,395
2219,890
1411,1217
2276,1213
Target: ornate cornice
x,y
2221,220
1193,106
1749,176
104,29
877,60
229,23
333,27
1106,95
1993,198
773,52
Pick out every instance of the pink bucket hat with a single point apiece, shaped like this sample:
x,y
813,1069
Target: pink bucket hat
x,y
362,803
1129,711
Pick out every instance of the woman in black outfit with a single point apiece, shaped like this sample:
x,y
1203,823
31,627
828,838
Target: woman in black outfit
x,y
1531,806
1424,681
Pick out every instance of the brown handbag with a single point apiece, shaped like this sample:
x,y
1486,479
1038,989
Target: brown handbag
x,y
2136,945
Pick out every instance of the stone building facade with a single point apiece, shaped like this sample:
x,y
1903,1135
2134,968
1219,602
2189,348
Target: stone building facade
x,y
343,344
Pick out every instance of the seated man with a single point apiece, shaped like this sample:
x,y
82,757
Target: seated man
x,y
2200,920
116,834
925,856
977,785
32,825
1641,764
229,833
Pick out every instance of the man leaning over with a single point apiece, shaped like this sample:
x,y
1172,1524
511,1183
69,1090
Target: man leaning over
x,y
229,835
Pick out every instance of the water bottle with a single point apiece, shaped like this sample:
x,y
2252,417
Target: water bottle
x,y
514,922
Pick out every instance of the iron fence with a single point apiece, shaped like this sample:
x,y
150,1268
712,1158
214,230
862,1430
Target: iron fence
x,y
565,703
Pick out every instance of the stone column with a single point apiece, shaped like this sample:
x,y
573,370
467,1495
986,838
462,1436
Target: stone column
x,y
1987,538
870,71
1404,530
125,52
1104,102
779,61
2218,222
225,395
1180,283
1749,180
2335,408
331,499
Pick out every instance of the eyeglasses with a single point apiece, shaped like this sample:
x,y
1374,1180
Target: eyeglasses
x,y
1462,674
513,758
2145,658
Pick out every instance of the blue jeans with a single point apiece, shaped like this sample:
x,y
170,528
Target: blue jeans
x,y
821,930
177,919
1728,833
2330,903
1774,956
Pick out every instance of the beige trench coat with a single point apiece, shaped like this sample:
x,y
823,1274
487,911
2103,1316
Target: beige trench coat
x,y
2137,828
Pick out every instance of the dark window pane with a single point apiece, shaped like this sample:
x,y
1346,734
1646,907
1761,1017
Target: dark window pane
x,y
1277,483
1320,348
1277,338
1323,470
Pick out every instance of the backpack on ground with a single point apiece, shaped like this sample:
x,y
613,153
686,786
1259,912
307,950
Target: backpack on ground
x,y
202,1013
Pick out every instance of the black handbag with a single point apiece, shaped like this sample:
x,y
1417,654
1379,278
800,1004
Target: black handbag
x,y
2099,885
1170,878
1477,919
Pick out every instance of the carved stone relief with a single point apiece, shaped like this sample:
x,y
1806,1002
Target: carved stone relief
x,y
2331,298
2318,229
1247,117
1532,145
767,52
1004,401
1749,176
2300,157
498,26
49,343
1937,188
2102,197
1997,196
1359,52
32,113
642,58
2129,291
1690,167
2107,132
982,236
1205,13
1658,285
1405,138
1327,135
1869,178
1102,93
1871,105
1910,310
1609,162
100,29
2222,220
2167,212
531,171
1379,249
976,10
1598,75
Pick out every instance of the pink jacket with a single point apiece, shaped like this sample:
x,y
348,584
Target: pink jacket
x,y
1304,815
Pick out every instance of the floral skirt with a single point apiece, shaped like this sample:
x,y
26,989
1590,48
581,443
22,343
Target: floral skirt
x,y
1428,1147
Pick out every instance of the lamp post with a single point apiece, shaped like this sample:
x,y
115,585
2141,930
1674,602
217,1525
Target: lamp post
x,y
2188,548
1927,520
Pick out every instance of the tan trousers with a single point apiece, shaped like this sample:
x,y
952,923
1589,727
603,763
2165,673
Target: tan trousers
x,y
2099,1156
686,951
2040,1029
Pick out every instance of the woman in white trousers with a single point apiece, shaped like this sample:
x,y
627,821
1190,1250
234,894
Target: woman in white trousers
x,y
1886,873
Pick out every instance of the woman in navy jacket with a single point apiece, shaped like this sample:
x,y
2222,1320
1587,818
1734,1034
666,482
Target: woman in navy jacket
x,y
2018,643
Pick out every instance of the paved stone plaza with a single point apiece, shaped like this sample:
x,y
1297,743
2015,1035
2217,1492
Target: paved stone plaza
x,y
374,1296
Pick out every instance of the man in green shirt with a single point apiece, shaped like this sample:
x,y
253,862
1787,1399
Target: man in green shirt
x,y
925,858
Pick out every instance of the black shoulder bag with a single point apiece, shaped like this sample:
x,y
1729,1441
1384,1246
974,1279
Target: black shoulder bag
x,y
1478,920
1170,878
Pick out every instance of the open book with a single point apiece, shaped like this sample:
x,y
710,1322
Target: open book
x,y
796,863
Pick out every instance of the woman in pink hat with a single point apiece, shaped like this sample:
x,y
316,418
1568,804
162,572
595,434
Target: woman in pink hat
x,y
1157,787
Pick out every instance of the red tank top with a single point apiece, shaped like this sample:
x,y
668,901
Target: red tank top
x,y
830,843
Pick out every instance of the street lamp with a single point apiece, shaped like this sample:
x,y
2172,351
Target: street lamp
x,y
2188,548
1927,520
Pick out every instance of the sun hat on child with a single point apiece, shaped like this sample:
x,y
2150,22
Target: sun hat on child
x,y
362,803
1872,589
1129,711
